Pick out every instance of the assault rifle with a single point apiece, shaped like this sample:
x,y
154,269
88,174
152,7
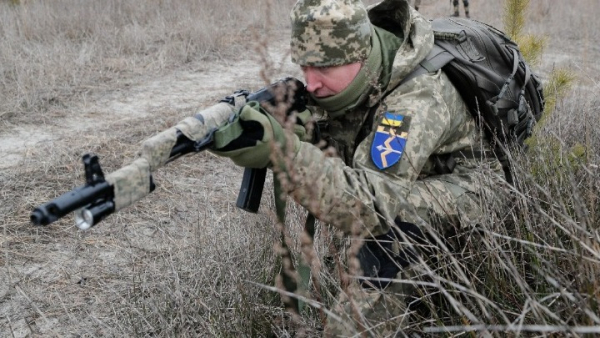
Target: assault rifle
x,y
101,196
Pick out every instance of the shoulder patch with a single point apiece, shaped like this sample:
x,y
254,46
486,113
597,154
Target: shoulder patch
x,y
390,140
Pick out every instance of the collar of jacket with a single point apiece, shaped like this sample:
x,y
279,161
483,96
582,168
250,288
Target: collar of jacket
x,y
417,40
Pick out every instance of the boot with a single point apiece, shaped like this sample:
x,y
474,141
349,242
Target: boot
x,y
467,12
416,8
455,11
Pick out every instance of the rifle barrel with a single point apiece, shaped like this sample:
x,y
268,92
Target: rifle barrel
x,y
71,201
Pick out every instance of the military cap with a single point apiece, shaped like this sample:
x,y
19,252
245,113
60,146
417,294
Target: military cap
x,y
329,32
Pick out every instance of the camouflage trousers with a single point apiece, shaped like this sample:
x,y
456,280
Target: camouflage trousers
x,y
446,202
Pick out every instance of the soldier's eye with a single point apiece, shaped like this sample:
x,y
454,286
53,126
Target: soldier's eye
x,y
325,70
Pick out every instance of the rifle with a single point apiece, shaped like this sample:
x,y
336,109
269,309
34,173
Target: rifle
x,y
101,196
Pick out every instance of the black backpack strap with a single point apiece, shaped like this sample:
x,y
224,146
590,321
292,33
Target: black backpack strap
x,y
434,61
496,101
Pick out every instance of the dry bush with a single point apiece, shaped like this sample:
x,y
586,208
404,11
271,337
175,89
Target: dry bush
x,y
538,268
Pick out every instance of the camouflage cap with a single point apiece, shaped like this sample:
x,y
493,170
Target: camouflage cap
x,y
329,32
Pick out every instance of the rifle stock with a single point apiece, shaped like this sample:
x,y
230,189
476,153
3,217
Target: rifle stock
x,y
101,196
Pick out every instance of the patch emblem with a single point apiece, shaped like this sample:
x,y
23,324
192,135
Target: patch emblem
x,y
390,140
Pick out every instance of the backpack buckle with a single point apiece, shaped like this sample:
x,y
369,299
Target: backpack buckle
x,y
512,117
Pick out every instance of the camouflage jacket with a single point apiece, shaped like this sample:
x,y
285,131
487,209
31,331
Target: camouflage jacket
x,y
365,186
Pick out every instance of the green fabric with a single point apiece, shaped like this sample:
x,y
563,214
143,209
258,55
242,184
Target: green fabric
x,y
302,120
247,139
390,43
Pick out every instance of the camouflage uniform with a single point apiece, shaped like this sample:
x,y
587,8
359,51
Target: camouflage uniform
x,y
372,182
465,3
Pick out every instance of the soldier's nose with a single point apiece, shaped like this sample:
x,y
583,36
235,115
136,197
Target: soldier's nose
x,y
311,77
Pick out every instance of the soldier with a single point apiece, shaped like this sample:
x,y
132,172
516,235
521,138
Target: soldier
x,y
465,4
409,155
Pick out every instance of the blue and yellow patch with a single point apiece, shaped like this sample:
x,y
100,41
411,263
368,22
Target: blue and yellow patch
x,y
390,140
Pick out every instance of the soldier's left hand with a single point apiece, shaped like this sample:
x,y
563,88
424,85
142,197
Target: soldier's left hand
x,y
249,139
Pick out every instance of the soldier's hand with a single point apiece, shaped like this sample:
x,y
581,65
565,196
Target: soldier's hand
x,y
252,135
302,128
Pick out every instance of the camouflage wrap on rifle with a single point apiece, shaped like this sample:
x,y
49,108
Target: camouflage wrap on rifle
x,y
156,150
215,116
196,128
193,128
131,183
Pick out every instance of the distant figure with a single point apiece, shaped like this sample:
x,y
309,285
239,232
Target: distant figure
x,y
417,4
455,3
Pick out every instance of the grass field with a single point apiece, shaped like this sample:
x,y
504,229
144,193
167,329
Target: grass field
x,y
102,76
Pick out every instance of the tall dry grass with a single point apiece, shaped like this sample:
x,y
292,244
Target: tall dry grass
x,y
186,262
54,51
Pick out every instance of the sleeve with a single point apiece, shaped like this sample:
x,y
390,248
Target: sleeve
x,y
365,198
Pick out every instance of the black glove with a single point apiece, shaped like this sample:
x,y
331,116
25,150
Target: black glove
x,y
379,260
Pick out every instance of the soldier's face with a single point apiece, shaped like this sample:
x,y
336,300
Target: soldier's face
x,y
328,81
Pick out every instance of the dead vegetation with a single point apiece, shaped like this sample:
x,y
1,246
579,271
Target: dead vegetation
x,y
184,261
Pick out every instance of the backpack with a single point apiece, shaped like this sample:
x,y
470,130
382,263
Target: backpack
x,y
488,70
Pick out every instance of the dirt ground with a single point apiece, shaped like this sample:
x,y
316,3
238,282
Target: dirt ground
x,y
58,281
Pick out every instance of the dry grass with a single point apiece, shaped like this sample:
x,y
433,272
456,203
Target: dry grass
x,y
58,51
184,261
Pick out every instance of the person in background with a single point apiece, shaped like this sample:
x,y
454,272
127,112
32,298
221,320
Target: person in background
x,y
466,6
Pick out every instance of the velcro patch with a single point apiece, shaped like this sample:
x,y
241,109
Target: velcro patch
x,y
390,140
